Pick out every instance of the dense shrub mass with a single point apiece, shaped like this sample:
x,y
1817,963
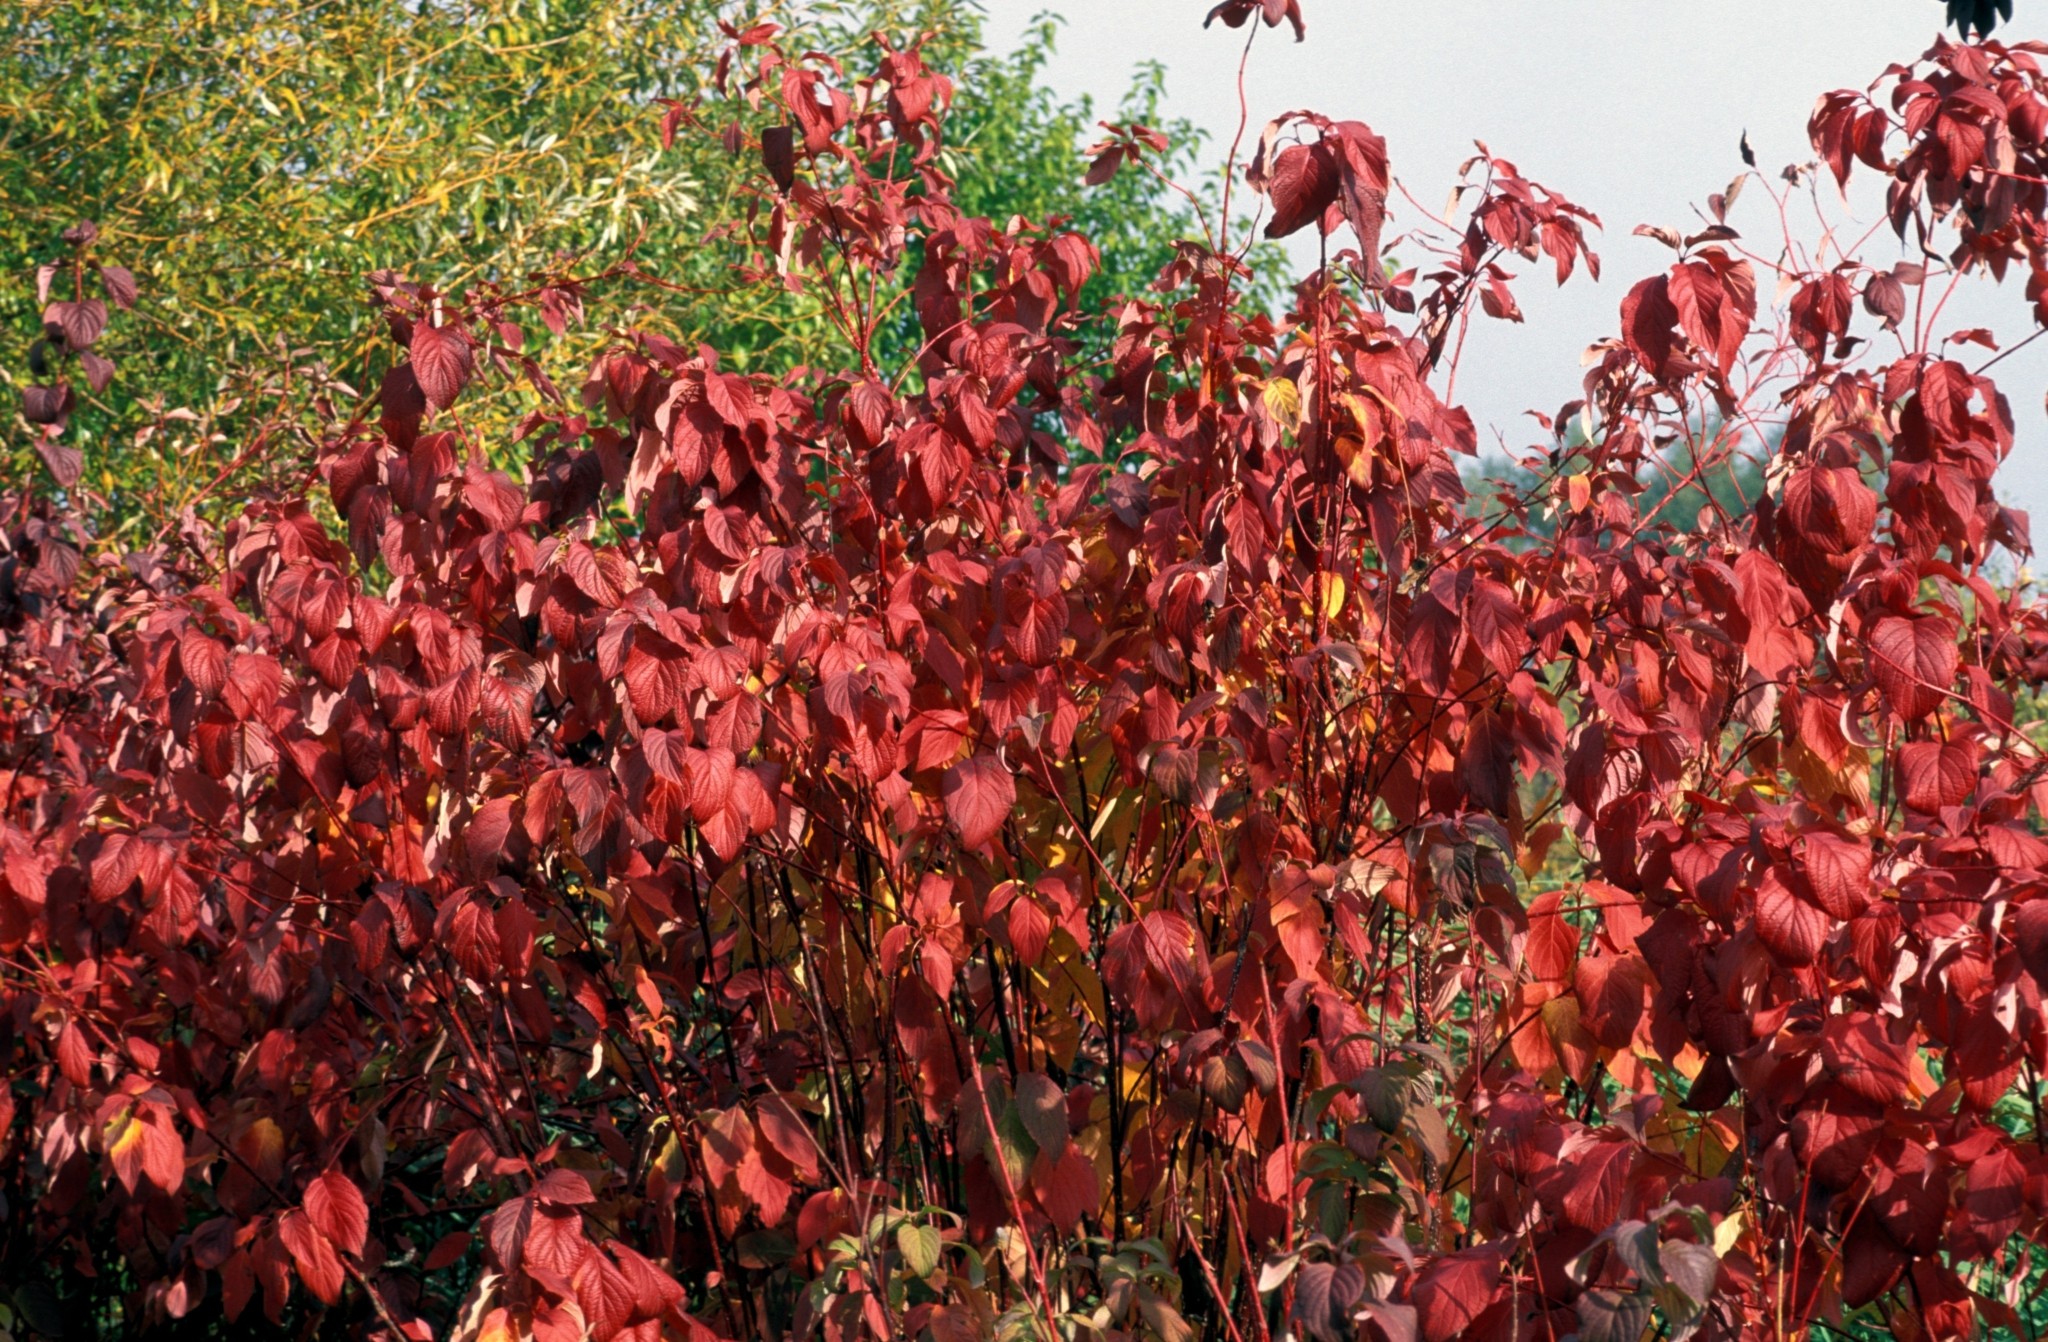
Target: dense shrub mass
x,y
1078,828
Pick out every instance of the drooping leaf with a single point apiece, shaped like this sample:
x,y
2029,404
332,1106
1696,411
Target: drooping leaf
x,y
337,1210
312,1255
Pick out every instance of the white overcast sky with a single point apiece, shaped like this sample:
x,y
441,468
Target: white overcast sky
x,y
1632,108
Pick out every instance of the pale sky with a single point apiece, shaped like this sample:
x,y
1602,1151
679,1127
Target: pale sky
x,y
1632,108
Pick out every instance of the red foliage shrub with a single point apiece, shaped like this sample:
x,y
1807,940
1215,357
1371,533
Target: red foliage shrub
x,y
1078,823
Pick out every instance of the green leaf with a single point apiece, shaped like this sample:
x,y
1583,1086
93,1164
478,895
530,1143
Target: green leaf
x,y
920,1246
1043,1111
1014,1144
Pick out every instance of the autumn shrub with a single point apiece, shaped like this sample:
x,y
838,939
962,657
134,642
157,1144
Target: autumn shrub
x,y
1083,830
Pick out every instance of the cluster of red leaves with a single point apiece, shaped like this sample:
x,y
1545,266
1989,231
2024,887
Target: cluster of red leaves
x,y
902,853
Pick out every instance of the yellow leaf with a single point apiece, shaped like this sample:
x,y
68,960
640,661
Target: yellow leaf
x,y
1726,1233
1330,589
127,1139
1072,968
1061,1037
1283,402
263,1144
1357,461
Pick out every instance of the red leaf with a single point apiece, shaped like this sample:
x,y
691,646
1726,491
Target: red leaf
x,y
78,323
1647,319
1820,313
1552,943
1234,13
653,1290
1067,1185
2029,933
732,397
1910,1196
253,684
65,460
204,661
1451,1293
764,1184
603,1293
708,776
1496,625
1035,637
555,1241
1593,1183
978,793
442,361
726,832
657,676
48,405
450,705
1993,1202
1830,508
1029,929
515,927
1324,1296
402,405
119,283
1835,1141
778,155
1914,660
588,792
1104,165
1429,640
1836,872
447,1251
1363,181
148,1149
312,1255
336,1207
507,712
1934,774
1304,183
788,1134
1793,929
1695,292
1856,1052
99,371
1885,298
1612,990
564,1188
1871,1263
74,1055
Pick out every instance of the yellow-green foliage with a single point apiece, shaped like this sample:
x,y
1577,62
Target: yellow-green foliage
x,y
253,163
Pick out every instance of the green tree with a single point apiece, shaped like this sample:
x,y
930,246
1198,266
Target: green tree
x,y
254,163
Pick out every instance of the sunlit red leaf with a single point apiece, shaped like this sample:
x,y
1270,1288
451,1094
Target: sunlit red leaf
x,y
442,360
336,1208
979,792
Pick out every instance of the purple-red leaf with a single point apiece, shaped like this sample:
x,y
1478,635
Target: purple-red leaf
x,y
442,360
978,793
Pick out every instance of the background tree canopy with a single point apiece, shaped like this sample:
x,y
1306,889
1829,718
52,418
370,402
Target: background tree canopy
x,y
255,163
